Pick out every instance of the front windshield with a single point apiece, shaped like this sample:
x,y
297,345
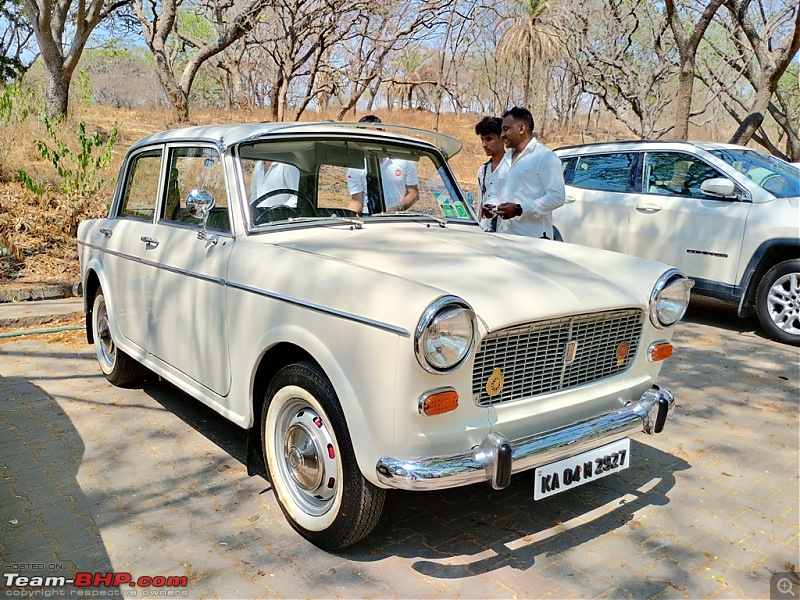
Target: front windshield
x,y
777,177
303,180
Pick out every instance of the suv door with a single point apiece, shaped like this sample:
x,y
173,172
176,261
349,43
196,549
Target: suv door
x,y
673,221
599,188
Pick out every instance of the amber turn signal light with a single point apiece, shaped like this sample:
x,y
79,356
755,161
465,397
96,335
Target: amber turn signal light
x,y
659,351
440,402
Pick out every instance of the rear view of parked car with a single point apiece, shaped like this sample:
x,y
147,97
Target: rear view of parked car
x,y
726,215
370,346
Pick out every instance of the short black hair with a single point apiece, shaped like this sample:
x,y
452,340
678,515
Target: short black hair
x,y
489,126
520,114
370,119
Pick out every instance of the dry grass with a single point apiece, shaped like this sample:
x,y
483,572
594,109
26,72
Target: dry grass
x,y
34,231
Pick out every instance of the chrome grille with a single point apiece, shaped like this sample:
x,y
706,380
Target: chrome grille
x,y
532,361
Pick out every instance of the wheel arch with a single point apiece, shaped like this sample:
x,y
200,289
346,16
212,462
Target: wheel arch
x,y
768,254
291,349
91,285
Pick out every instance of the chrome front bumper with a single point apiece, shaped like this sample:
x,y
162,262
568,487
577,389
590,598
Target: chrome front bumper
x,y
497,458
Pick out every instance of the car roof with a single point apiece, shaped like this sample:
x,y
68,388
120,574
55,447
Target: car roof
x,y
643,144
228,135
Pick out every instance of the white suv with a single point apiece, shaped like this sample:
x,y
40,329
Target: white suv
x,y
725,215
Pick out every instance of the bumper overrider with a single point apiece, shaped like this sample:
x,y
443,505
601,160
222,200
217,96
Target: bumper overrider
x,y
497,457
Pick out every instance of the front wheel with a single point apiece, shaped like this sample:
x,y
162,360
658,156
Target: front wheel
x,y
778,302
310,460
119,368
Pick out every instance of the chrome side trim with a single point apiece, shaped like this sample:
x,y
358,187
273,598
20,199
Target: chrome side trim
x,y
252,290
322,309
480,464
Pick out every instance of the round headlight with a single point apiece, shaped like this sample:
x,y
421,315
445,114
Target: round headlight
x,y
670,299
445,335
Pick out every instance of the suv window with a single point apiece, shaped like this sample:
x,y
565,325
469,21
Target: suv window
x,y
141,187
676,174
605,172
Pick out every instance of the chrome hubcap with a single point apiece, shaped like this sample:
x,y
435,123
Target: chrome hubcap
x,y
784,303
103,333
303,457
310,458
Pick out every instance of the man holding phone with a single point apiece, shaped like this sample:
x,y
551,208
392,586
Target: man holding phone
x,y
534,182
491,175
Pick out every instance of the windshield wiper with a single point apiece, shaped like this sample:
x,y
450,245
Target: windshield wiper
x,y
442,221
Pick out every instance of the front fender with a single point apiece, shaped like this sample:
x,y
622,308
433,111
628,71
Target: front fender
x,y
364,383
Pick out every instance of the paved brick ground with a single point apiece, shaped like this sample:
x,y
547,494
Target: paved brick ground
x,y
148,481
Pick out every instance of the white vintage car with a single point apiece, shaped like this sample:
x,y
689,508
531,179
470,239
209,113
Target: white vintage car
x,y
327,288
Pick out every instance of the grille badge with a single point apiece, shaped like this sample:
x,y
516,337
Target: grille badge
x,y
494,385
622,352
570,351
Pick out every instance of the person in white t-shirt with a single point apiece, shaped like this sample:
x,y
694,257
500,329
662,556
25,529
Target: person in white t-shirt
x,y
399,181
491,175
269,176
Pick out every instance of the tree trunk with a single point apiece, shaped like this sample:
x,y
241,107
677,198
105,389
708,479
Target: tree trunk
x,y
57,92
683,101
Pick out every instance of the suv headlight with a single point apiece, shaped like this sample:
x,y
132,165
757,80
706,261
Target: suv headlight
x,y
670,298
445,335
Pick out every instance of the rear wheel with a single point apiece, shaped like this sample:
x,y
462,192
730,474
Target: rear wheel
x,y
311,463
778,302
118,367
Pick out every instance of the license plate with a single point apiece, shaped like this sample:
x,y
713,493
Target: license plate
x,y
569,473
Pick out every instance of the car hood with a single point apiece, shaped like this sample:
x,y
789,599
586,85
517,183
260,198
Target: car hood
x,y
506,279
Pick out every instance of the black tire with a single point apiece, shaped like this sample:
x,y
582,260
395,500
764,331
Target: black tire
x,y
310,460
778,302
119,368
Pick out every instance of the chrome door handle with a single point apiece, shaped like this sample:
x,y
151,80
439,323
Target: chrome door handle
x,y
149,241
106,232
648,208
569,200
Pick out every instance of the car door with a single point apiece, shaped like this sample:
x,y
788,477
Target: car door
x,y
673,221
598,192
186,307
126,252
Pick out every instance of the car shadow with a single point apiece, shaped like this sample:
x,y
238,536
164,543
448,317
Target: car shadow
x,y
48,529
716,313
463,532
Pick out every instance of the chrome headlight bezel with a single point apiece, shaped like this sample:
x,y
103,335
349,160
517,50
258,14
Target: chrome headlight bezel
x,y
670,299
446,307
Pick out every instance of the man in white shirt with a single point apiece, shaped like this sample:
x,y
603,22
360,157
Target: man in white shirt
x,y
492,173
269,176
534,184
399,181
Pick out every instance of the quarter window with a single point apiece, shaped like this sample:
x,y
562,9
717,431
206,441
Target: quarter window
x,y
605,172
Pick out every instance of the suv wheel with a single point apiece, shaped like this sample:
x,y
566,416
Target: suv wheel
x,y
778,302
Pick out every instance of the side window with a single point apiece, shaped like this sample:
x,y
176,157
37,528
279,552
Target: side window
x,y
605,172
568,169
141,186
195,169
676,174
